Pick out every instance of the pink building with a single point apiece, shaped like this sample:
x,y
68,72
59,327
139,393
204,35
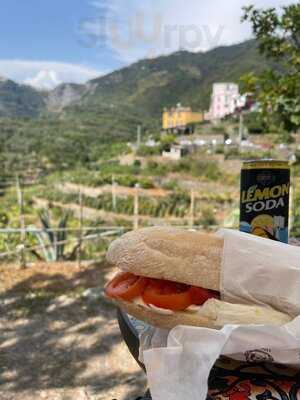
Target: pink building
x,y
224,100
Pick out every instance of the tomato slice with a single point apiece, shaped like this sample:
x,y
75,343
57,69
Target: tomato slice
x,y
160,293
167,295
200,295
126,286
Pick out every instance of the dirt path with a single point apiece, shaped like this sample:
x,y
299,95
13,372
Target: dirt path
x,y
57,343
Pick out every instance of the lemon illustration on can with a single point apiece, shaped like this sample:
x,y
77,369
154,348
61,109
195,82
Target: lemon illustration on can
x,y
263,226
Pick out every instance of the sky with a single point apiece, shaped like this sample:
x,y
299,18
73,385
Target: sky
x,y
45,43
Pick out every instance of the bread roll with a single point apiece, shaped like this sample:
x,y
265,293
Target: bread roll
x,y
169,253
213,314
187,257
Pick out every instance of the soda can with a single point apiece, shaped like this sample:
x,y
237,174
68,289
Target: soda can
x,y
264,201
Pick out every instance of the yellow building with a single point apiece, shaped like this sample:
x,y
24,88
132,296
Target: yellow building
x,y
180,117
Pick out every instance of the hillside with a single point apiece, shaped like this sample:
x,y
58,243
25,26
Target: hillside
x,y
64,95
149,85
20,100
81,124
141,89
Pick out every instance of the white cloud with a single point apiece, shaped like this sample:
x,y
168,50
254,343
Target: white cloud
x,y
135,29
46,74
45,79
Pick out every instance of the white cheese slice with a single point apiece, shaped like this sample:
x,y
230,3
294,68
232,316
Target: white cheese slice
x,y
139,301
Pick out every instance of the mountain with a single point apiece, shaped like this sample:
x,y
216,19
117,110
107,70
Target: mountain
x,y
139,91
150,85
20,100
64,95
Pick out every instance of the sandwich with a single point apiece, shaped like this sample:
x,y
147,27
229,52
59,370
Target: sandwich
x,y
171,277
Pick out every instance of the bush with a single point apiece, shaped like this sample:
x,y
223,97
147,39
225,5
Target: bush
x,y
212,171
218,128
171,185
231,152
145,151
146,183
219,149
137,163
155,168
4,219
284,137
255,123
166,142
199,168
207,218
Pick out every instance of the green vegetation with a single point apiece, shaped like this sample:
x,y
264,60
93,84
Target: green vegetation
x,y
145,151
277,90
295,231
174,205
207,218
255,123
99,122
196,167
86,143
20,100
54,242
183,77
107,174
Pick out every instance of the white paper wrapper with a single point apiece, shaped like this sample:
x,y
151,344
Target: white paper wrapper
x,y
260,271
254,271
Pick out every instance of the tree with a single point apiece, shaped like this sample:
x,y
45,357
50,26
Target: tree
x,y
277,89
166,141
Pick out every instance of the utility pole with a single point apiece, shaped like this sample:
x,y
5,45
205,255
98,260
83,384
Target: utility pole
x,y
22,223
192,209
80,229
241,128
114,193
139,135
136,208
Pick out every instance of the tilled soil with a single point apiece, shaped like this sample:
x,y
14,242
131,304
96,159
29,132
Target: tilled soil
x,y
59,342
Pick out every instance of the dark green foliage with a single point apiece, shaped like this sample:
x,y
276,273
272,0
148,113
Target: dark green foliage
x,y
155,168
56,240
145,151
149,85
198,168
218,129
277,90
20,100
177,204
207,218
123,175
171,185
255,123
284,137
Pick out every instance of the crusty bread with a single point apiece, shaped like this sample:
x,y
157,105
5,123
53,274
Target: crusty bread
x,y
164,320
170,253
188,257
213,314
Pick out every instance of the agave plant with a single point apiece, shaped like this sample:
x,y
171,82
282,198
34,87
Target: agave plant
x,y
52,241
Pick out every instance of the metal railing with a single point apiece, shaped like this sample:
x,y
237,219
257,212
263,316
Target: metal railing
x,y
21,249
